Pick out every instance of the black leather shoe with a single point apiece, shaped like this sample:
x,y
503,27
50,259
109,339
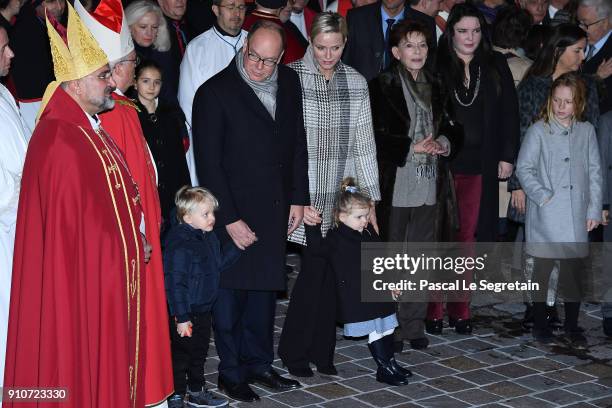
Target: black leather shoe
x,y
328,370
433,326
420,343
238,392
554,323
607,326
462,326
274,381
300,371
397,368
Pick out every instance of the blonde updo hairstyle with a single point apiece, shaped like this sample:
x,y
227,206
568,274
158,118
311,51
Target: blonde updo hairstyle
x,y
350,198
328,22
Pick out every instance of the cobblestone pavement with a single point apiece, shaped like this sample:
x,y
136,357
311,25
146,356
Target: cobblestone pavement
x,y
497,366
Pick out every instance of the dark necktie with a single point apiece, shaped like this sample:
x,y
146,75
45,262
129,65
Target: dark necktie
x,y
180,36
590,53
387,60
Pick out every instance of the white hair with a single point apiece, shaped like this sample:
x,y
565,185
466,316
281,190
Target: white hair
x,y
603,8
136,10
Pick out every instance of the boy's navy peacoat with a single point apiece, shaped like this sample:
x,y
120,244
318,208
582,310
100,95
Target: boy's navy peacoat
x,y
193,261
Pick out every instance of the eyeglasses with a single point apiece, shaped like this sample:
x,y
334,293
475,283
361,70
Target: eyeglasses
x,y
135,61
232,7
268,62
586,26
104,76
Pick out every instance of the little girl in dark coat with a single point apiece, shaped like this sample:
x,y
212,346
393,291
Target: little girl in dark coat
x,y
342,250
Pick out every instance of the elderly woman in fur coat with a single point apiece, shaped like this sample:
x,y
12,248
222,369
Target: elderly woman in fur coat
x,y
413,127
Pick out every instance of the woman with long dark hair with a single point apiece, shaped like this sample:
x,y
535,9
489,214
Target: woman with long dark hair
x,y
484,98
563,52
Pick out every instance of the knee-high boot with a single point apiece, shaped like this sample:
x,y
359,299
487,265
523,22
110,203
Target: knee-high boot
x,y
385,374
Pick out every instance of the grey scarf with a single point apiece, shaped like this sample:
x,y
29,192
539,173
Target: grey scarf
x,y
418,94
265,90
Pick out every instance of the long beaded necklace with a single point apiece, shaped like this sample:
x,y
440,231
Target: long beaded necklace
x,y
476,89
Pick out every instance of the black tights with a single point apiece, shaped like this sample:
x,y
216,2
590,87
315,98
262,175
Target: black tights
x,y
571,285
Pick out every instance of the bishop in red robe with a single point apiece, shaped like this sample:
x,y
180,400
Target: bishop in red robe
x,y
77,300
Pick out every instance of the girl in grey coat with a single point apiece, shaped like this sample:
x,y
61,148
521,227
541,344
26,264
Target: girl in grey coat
x,y
559,169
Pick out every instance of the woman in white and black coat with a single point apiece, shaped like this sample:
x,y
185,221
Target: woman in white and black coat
x,y
413,124
340,138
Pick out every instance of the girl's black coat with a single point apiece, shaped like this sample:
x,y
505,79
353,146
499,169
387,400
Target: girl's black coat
x,y
342,250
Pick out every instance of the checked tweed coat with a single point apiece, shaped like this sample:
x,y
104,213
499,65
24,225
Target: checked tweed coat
x,y
339,135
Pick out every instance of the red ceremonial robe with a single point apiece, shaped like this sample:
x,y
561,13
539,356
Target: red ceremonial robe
x,y
123,125
76,318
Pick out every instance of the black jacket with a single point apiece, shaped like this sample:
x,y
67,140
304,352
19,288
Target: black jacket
x,y
500,137
341,247
32,66
605,88
391,124
256,167
193,261
365,46
165,131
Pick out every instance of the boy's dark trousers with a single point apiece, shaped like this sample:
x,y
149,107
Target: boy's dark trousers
x,y
189,353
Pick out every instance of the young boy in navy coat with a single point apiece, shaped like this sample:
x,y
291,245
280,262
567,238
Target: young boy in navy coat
x,y
193,260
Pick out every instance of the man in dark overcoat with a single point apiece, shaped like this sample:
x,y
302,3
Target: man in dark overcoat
x,y
250,151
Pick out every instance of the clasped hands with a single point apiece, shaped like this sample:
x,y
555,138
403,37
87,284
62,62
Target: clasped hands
x,y
429,146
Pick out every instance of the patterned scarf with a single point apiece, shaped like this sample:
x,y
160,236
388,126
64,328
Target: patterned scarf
x,y
421,125
265,90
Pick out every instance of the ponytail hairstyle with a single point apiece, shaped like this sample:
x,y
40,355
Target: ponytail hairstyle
x,y
576,84
349,198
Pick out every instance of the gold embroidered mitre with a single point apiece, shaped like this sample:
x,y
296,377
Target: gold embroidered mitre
x,y
77,59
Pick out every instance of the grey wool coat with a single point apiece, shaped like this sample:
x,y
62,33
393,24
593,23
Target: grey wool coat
x,y
560,171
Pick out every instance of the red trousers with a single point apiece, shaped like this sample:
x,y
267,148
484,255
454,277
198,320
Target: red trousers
x,y
468,188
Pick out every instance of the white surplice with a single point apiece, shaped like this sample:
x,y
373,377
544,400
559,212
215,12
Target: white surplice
x,y
206,55
14,138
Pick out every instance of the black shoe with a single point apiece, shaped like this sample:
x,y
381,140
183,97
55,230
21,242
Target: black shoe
x,y
238,392
328,370
395,366
527,322
607,326
419,344
300,371
385,373
462,326
433,326
274,381
554,323
545,337
576,340
398,346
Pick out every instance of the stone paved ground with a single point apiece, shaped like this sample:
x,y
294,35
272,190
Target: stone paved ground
x,y
497,366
